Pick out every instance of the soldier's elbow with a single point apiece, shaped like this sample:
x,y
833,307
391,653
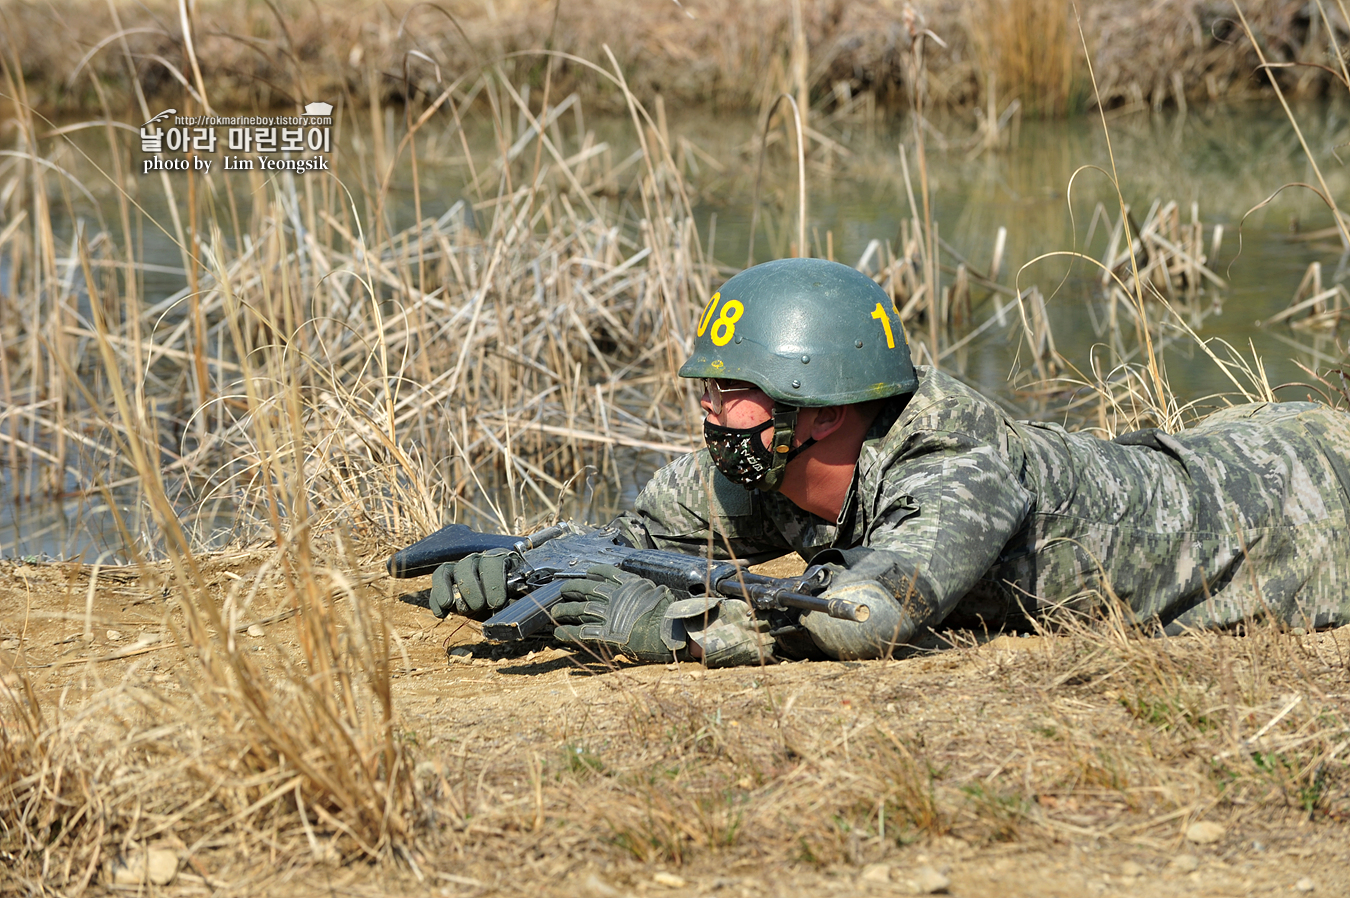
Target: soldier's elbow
x,y
887,625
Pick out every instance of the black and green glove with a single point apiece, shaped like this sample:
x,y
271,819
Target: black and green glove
x,y
617,611
481,579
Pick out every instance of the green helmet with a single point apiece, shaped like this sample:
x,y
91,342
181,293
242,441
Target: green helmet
x,y
805,331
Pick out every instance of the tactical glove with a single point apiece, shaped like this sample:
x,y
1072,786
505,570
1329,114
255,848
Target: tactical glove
x,y
619,611
481,579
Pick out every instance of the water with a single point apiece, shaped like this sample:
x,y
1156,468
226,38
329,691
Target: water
x,y
1044,190
1225,160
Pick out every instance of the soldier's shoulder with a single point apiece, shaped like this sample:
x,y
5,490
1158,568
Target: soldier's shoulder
x,y
944,404
693,482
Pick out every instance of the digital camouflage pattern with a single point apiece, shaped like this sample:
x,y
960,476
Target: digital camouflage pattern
x,y
726,629
956,508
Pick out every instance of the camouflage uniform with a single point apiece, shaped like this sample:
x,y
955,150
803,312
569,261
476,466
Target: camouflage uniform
x,y
955,507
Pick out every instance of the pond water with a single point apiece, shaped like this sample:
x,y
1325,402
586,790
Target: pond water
x,y
1043,188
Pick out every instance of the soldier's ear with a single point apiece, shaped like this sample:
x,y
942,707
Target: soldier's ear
x,y
826,421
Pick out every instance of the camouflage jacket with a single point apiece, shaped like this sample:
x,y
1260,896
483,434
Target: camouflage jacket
x,y
955,507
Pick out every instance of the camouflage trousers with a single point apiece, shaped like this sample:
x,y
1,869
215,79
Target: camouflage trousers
x,y
1296,565
1252,519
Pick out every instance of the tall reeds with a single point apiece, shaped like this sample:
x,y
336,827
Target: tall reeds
x,y
731,55
337,376
514,313
1030,53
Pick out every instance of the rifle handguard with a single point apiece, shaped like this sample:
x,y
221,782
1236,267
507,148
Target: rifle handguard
x,y
765,595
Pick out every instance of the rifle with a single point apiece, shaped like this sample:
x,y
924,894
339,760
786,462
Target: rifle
x,y
554,555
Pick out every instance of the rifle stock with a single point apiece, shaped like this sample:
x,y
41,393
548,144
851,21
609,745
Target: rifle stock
x,y
451,543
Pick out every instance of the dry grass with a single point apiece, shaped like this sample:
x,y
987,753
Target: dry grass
x,y
318,333
300,757
1092,730
302,379
496,362
1315,306
1030,51
733,56
538,769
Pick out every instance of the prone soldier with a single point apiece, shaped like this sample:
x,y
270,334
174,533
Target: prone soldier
x,y
923,501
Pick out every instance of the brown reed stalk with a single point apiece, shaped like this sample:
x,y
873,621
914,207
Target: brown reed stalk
x,y
1326,195
798,119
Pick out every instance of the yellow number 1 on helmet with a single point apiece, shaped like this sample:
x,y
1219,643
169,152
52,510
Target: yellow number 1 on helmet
x,y
880,314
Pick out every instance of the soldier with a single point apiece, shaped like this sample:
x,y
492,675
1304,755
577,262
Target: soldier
x,y
927,503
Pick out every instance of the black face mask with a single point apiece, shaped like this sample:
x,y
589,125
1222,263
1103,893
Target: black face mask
x,y
740,454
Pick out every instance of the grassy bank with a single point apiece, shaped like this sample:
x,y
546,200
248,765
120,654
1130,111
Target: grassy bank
x,y
730,56
1044,765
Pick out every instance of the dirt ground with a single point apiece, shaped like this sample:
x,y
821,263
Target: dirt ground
x,y
1020,765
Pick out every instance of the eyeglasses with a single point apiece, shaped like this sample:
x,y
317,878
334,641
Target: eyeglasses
x,y
715,391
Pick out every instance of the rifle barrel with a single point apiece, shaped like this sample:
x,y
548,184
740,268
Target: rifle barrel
x,y
765,595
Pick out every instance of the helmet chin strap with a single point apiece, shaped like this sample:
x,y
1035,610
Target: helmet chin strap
x,y
781,451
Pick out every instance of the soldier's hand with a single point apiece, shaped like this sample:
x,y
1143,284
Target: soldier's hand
x,y
481,581
617,611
